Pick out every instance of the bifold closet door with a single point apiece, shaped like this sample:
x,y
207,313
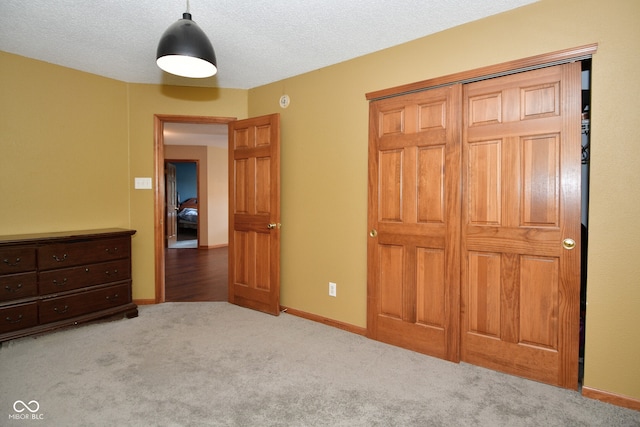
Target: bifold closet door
x,y
414,222
521,224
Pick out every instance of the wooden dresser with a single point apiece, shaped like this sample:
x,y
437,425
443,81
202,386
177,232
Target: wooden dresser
x,y
52,280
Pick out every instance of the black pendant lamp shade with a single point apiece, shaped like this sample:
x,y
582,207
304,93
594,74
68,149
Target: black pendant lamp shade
x,y
185,50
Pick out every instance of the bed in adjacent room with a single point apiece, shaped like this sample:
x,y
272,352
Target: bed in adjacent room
x,y
188,214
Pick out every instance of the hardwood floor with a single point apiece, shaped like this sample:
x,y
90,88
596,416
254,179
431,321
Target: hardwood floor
x,y
196,274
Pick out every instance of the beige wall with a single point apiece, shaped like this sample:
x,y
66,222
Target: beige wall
x,y
324,164
71,144
218,178
64,149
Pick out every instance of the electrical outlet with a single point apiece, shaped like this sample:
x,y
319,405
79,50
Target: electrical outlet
x,y
332,289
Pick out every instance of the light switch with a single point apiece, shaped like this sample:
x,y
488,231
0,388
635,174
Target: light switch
x,y
142,183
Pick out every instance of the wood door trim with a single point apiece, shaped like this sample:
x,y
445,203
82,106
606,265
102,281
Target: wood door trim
x,y
325,321
491,71
158,195
612,398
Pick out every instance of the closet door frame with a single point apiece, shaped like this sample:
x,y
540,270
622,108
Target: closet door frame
x,y
491,71
485,73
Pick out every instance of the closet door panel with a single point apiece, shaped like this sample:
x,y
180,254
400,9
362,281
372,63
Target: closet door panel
x,y
521,201
414,221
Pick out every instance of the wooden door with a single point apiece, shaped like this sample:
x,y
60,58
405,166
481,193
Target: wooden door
x,y
254,213
521,200
414,221
171,211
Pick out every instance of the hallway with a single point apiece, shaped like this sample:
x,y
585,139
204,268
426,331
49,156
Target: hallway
x,y
196,274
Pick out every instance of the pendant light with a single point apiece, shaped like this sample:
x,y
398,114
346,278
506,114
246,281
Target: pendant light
x,y
185,50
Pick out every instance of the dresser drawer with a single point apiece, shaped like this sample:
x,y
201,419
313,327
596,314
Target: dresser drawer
x,y
60,308
63,278
67,279
61,255
19,316
17,259
16,286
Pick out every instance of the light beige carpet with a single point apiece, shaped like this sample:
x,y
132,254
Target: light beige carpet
x,y
216,364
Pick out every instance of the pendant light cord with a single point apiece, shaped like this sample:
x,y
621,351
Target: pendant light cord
x,y
188,8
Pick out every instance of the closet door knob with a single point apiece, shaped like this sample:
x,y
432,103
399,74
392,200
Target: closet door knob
x,y
568,244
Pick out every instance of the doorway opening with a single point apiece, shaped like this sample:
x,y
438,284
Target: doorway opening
x,y
182,199
584,217
202,140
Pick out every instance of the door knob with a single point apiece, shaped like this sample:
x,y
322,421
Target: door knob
x,y
373,232
274,225
568,244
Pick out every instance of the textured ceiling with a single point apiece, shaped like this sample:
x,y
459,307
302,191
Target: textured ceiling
x,y
256,41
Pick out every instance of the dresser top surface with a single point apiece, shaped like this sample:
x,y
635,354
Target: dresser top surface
x,y
65,235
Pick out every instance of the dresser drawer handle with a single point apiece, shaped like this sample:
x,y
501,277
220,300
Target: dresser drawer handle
x,y
61,310
16,320
113,298
64,257
16,289
109,273
108,250
63,283
11,264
